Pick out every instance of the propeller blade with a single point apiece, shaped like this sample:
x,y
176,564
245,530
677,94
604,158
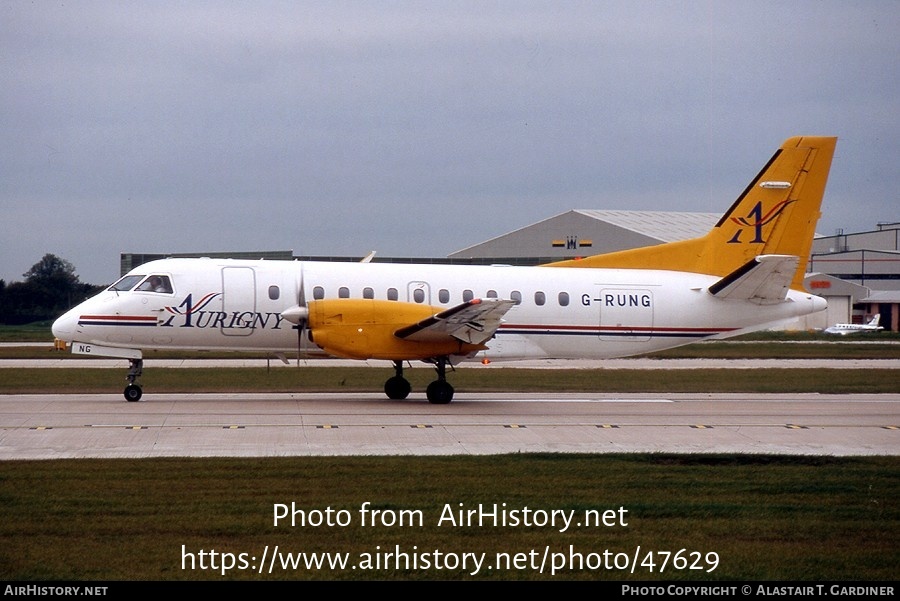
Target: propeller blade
x,y
303,318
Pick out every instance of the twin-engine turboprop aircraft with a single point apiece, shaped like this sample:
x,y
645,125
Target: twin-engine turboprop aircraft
x,y
746,272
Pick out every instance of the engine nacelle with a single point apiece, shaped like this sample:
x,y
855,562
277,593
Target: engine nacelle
x,y
364,329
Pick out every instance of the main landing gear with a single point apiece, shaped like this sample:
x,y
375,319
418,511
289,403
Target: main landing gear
x,y
397,387
133,391
439,392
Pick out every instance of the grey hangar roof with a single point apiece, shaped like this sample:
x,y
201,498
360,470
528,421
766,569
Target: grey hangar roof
x,y
581,232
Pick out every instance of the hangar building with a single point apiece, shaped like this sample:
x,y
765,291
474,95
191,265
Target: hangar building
x,y
870,261
583,232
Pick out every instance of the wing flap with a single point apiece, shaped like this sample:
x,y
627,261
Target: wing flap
x,y
472,322
765,279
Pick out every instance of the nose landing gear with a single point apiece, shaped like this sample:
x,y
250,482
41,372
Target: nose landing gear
x,y
133,391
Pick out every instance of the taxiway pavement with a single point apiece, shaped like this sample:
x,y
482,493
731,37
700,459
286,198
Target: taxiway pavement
x,y
53,426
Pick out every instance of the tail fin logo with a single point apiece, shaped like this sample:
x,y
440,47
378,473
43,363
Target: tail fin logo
x,y
756,220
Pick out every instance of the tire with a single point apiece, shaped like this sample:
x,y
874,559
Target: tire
x,y
397,388
439,393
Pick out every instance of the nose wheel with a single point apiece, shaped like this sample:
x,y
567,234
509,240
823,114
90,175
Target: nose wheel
x,y
133,390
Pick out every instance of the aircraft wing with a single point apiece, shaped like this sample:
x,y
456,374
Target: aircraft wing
x,y
473,322
764,279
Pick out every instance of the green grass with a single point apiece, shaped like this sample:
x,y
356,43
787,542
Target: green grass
x,y
843,349
765,517
368,379
38,331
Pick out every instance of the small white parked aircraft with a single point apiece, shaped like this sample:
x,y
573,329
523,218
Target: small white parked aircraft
x,y
855,328
746,272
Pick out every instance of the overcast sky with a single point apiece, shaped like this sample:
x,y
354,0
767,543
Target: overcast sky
x,y
419,128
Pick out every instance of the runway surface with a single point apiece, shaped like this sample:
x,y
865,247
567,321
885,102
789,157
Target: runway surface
x,y
47,426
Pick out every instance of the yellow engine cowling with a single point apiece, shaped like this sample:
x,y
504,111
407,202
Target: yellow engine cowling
x,y
364,329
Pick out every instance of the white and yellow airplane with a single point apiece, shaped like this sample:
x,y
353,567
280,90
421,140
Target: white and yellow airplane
x,y
746,272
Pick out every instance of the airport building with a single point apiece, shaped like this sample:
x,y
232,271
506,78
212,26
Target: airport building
x,y
859,274
870,261
579,233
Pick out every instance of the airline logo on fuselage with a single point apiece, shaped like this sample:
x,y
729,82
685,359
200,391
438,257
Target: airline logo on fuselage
x,y
195,315
756,220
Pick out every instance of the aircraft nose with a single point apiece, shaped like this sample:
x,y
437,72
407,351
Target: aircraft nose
x,y
64,327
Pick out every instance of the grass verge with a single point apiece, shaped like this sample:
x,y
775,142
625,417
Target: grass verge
x,y
367,379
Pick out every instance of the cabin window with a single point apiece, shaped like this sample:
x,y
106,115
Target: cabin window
x,y
492,294
419,295
343,292
156,283
468,295
563,299
368,292
539,298
126,283
274,292
392,294
444,295
516,296
318,293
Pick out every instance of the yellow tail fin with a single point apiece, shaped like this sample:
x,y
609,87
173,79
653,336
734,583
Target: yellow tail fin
x,y
776,214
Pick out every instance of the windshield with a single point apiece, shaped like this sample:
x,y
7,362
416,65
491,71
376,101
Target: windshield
x,y
126,283
156,283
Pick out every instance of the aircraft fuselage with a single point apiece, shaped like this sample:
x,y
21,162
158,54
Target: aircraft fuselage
x,y
240,305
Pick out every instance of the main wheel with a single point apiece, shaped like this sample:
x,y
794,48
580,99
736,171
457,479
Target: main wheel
x,y
133,393
397,388
439,392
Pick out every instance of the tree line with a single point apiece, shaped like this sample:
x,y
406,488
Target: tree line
x,y
51,287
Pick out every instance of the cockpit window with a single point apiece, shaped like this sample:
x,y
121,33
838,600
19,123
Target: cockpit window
x,y
156,283
126,283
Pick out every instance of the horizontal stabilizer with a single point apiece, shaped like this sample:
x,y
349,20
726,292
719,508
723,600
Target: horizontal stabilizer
x,y
473,322
765,280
